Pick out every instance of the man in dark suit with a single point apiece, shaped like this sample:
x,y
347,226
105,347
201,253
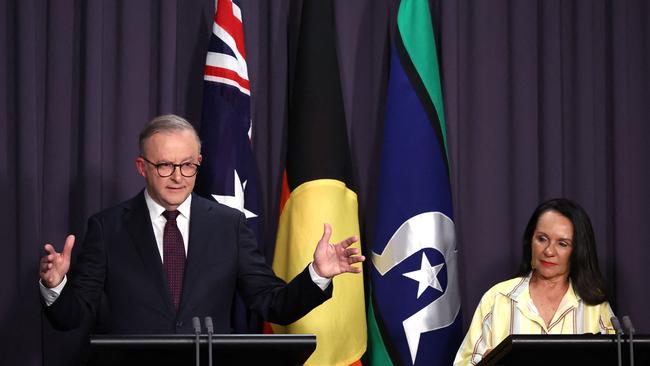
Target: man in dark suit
x,y
153,262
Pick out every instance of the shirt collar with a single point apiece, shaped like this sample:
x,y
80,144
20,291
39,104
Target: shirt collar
x,y
156,210
521,292
571,298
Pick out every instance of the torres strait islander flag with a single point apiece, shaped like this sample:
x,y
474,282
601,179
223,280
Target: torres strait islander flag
x,y
414,312
318,190
228,170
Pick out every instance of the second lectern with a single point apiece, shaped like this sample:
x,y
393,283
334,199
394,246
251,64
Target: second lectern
x,y
559,350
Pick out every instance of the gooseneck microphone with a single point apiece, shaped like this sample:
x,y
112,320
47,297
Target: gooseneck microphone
x,y
210,328
196,323
627,323
619,332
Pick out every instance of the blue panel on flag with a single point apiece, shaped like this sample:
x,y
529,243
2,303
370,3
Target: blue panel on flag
x,y
414,180
228,170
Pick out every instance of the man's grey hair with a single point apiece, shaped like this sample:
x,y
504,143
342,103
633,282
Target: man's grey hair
x,y
166,123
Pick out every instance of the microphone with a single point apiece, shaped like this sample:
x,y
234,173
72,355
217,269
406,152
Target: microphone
x,y
210,329
196,323
630,330
619,333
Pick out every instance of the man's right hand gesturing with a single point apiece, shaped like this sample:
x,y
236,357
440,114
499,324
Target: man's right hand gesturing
x,y
55,265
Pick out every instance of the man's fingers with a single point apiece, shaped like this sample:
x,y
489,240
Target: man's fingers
x,y
44,265
354,269
67,248
352,251
349,241
327,233
51,257
45,261
356,259
49,249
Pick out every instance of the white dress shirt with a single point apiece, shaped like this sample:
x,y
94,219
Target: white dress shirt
x,y
158,221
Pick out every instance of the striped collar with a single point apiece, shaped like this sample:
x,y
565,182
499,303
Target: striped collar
x,y
520,295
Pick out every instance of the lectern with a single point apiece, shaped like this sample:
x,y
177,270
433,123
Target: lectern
x,y
559,350
228,349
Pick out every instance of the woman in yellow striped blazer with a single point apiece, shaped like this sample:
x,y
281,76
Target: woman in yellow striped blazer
x,y
559,289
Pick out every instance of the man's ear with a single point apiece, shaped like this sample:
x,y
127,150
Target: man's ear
x,y
139,165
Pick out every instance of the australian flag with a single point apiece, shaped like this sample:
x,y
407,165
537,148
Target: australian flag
x,y
228,170
415,290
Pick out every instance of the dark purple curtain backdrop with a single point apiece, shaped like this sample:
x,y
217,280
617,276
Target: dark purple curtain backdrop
x,y
546,99
543,98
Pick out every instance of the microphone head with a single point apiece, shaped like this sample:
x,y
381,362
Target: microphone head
x,y
208,324
616,324
628,324
196,322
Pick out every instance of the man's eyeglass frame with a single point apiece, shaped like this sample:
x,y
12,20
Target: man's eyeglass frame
x,y
173,166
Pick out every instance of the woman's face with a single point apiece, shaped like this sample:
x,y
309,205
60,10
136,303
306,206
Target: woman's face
x,y
552,244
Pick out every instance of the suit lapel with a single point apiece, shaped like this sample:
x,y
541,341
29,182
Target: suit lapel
x,y
201,227
138,223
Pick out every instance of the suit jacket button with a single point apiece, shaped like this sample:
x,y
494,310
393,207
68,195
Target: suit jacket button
x,y
179,324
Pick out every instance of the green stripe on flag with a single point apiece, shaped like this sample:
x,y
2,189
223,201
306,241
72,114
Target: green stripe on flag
x,y
416,29
377,353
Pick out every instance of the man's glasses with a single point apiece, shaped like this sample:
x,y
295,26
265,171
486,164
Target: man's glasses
x,y
167,169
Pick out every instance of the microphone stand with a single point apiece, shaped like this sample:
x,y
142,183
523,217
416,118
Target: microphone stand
x,y
210,328
630,330
197,331
619,331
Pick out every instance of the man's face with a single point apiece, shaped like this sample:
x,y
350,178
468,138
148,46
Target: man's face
x,y
176,147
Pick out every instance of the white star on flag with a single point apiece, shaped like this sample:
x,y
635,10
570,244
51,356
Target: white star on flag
x,y
236,201
426,276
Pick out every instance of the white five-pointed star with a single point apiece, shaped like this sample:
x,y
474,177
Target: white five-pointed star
x,y
427,276
236,201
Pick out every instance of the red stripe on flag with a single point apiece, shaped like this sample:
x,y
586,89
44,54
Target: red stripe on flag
x,y
227,74
284,195
226,19
267,329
